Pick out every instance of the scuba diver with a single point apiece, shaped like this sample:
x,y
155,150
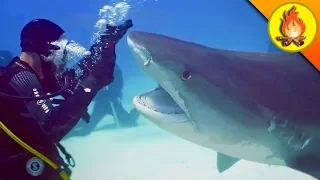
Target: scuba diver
x,y
107,102
31,127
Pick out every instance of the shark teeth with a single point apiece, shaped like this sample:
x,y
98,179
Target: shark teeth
x,y
161,109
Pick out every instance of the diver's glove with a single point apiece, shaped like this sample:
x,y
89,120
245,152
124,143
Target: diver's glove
x,y
101,74
106,43
113,34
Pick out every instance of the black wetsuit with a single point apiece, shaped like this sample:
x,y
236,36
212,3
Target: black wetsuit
x,y
37,123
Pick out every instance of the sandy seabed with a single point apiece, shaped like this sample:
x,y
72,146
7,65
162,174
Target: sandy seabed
x,y
149,153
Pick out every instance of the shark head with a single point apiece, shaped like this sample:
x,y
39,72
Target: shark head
x,y
175,66
228,101
177,70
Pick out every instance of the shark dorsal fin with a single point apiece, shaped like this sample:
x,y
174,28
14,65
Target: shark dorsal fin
x,y
225,162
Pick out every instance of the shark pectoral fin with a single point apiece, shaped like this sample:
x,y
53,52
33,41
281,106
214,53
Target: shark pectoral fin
x,y
225,162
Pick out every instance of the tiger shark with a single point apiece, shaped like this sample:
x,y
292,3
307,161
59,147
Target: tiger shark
x,y
261,107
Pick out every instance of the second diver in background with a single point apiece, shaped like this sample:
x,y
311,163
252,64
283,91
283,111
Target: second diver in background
x,y
108,101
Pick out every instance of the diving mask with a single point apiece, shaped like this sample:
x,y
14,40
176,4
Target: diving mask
x,y
66,55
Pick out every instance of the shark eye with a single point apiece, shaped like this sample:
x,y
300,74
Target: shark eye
x,y
186,75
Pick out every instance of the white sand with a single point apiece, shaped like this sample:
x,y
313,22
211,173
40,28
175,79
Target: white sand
x,y
149,153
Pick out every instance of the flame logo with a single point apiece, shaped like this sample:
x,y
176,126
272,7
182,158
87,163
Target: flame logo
x,y
292,29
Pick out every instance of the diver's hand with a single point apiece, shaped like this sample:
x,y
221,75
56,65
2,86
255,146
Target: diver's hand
x,y
113,34
103,53
106,44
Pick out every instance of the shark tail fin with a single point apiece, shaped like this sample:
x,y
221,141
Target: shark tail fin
x,y
225,162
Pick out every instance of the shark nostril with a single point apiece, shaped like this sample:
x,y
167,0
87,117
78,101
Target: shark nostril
x,y
146,56
147,62
186,75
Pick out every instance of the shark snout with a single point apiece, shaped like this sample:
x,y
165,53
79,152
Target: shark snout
x,y
139,38
154,44
142,38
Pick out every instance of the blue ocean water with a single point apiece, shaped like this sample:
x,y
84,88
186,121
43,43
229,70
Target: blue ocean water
x,y
147,152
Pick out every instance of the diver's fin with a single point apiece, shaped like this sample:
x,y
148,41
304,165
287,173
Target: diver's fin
x,y
225,162
121,117
114,114
134,114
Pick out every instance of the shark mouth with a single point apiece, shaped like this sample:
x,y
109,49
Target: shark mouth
x,y
160,101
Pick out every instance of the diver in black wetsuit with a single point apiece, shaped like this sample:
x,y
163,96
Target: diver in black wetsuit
x,y
31,127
